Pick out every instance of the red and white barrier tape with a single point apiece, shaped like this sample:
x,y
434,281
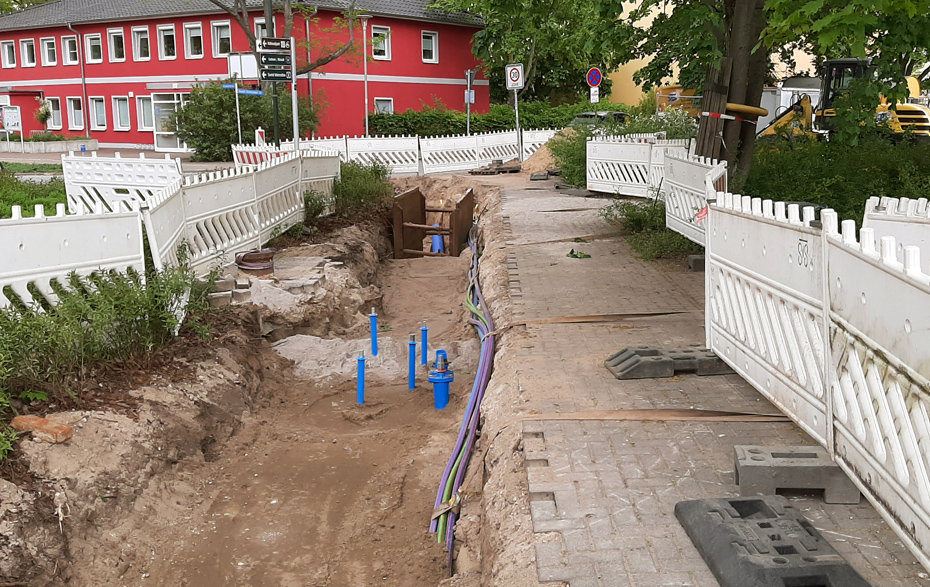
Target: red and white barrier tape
x,y
726,117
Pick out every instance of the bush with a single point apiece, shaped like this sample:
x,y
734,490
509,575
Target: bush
x,y
207,122
569,150
647,235
27,194
837,176
362,186
48,137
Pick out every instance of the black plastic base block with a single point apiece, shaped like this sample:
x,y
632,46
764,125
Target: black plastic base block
x,y
642,362
763,542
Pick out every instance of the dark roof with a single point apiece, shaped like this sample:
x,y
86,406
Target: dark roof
x,y
62,12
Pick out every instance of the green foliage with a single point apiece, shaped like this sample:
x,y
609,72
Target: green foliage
x,y
27,194
103,317
362,186
16,167
555,40
48,137
838,177
437,120
207,122
645,224
675,123
569,150
315,203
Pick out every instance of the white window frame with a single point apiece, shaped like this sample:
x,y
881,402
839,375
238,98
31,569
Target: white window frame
x,y
379,111
188,28
111,34
44,42
162,29
4,48
137,34
23,43
51,121
215,39
435,36
116,123
66,53
88,54
385,44
140,112
91,105
258,22
72,123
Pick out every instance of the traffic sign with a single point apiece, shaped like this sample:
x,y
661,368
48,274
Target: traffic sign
x,y
594,77
274,44
229,86
514,76
595,95
274,59
246,92
275,75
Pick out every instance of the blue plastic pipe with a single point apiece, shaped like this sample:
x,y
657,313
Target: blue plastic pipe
x,y
424,347
412,351
374,332
360,393
441,378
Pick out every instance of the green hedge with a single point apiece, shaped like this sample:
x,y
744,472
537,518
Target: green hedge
x,y
436,120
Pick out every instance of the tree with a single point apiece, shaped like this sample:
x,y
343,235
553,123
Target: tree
x,y
7,6
553,39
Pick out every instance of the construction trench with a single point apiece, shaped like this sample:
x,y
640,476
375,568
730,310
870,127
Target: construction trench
x,y
250,461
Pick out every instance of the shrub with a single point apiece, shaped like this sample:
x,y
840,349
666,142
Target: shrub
x,y
647,235
569,150
362,186
48,137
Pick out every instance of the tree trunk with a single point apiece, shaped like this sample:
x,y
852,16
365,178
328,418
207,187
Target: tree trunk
x,y
758,64
744,30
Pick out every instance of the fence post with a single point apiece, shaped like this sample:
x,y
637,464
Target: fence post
x,y
828,225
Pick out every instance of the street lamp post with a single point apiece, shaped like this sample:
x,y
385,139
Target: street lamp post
x,y
364,18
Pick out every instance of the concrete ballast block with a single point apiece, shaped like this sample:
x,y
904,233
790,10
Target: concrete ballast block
x,y
762,470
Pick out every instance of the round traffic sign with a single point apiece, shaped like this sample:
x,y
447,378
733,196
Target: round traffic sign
x,y
594,77
514,74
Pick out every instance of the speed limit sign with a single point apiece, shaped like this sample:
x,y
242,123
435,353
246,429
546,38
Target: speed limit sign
x,y
513,73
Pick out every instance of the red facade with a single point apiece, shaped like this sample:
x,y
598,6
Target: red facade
x,y
123,98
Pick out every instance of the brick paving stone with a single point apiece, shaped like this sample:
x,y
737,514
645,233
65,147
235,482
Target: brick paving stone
x,y
610,486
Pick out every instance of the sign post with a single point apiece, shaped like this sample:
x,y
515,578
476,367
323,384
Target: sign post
x,y
513,74
594,79
469,98
235,86
278,63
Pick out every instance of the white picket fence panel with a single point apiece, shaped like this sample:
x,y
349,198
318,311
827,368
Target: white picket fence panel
x,y
400,154
44,249
905,219
833,327
660,150
447,154
502,145
115,182
258,154
619,165
534,139
688,181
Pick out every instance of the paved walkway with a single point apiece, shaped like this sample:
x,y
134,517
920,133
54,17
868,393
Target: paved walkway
x,y
609,488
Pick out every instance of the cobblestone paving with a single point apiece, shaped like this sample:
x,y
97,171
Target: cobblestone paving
x,y
609,488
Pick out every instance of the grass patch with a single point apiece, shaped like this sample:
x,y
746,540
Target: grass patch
x,y
27,194
17,167
362,186
644,223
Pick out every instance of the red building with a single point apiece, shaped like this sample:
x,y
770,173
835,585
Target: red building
x,y
117,69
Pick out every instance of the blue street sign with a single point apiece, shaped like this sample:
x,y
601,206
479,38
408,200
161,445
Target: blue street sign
x,y
594,77
245,92
229,86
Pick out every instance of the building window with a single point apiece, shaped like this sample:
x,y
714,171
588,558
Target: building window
x,y
384,105
8,53
140,44
49,52
75,114
381,43
98,114
166,47
54,106
93,48
261,29
430,47
193,41
69,51
117,45
146,115
27,52
222,42
121,113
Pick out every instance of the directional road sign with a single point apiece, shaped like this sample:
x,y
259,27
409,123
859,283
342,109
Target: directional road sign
x,y
247,92
274,59
594,77
274,44
514,76
275,75
229,86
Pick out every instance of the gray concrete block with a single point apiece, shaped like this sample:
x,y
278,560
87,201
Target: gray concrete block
x,y
650,362
696,263
762,470
225,284
539,176
219,299
243,283
241,296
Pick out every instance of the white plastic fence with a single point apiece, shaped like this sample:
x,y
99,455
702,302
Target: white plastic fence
x,y
619,165
834,329
44,249
504,146
905,219
660,150
534,139
445,154
400,154
114,182
688,181
257,154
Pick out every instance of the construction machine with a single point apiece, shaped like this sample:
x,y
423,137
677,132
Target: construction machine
x,y
910,116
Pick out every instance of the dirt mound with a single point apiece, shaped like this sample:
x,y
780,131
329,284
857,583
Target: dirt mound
x,y
539,161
